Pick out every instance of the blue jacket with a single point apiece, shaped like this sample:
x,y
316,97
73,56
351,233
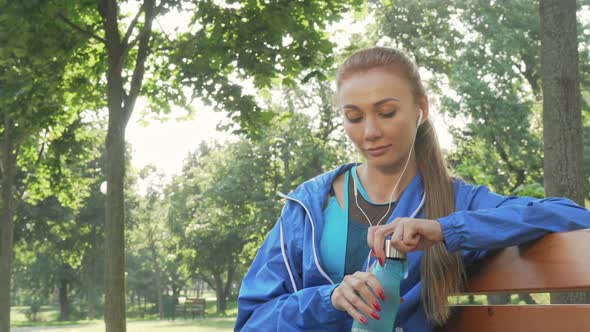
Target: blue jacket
x,y
286,288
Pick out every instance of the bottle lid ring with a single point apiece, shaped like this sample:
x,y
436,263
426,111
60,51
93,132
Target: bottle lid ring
x,y
392,252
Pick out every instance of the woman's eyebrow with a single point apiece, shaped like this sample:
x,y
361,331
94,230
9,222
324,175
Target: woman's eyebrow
x,y
376,104
351,106
385,100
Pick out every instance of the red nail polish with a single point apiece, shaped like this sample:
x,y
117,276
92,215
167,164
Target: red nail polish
x,y
364,321
380,261
382,295
401,300
375,315
377,306
373,252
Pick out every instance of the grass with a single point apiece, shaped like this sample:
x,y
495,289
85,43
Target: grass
x,y
49,314
202,325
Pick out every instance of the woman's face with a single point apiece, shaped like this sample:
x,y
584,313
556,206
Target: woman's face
x,y
380,116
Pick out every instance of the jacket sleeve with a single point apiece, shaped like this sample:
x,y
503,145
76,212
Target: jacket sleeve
x,y
271,295
491,221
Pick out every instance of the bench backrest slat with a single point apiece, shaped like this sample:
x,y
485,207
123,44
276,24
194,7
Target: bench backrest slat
x,y
559,261
538,318
194,301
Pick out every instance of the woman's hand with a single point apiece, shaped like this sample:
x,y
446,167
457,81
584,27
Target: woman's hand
x,y
407,234
349,295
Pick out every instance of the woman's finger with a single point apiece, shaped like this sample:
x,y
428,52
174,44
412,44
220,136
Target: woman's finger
x,y
374,285
358,294
379,238
411,235
351,310
397,238
366,281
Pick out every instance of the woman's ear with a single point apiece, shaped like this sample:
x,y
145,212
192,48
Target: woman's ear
x,y
423,109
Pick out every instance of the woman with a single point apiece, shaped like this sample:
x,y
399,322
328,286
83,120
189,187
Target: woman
x,y
308,274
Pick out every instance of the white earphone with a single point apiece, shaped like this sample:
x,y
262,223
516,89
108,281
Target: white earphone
x,y
419,118
396,184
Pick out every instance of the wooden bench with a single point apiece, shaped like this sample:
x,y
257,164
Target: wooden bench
x,y
192,306
557,262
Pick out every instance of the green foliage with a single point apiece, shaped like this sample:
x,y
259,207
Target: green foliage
x,y
40,96
531,190
209,221
234,42
484,60
55,243
225,201
153,253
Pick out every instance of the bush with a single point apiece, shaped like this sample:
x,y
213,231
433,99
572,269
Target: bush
x,y
32,313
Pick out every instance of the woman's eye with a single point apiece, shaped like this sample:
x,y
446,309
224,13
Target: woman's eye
x,y
355,119
353,116
388,114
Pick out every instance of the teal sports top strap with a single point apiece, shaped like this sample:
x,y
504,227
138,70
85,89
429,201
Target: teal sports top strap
x,y
332,248
343,245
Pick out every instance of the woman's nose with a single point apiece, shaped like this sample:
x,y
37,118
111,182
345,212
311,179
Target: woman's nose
x,y
372,128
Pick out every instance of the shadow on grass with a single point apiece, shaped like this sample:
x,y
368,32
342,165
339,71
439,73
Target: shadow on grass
x,y
222,322
211,322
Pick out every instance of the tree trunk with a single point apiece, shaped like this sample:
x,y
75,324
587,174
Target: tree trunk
x,y
160,295
220,294
562,118
228,282
115,226
120,105
90,303
527,298
64,310
222,288
200,288
90,291
115,150
8,160
498,298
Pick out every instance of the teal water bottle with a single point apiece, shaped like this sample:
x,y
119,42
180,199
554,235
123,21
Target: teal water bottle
x,y
390,276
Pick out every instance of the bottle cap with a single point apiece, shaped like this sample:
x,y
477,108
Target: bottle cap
x,y
392,252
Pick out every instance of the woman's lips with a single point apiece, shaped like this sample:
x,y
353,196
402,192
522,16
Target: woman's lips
x,y
378,151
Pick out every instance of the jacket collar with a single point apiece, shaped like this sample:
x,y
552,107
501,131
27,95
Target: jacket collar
x,y
313,193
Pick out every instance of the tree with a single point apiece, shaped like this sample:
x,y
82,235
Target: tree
x,y
33,58
54,241
149,235
562,117
494,78
224,213
229,41
221,210
485,60
91,216
50,252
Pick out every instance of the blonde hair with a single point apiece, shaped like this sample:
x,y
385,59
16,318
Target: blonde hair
x,y
442,273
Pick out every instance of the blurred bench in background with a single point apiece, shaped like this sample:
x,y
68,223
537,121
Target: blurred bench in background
x,y
194,307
